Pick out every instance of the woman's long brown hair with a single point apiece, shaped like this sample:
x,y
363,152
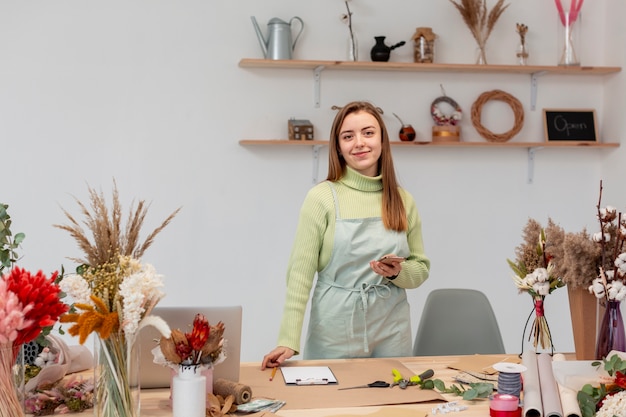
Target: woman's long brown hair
x,y
393,211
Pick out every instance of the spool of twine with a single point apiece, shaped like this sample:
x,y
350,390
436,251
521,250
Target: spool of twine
x,y
224,387
509,383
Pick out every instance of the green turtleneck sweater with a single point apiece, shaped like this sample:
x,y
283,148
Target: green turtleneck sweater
x,y
359,196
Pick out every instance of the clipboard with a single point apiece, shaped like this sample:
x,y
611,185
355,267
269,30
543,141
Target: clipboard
x,y
308,375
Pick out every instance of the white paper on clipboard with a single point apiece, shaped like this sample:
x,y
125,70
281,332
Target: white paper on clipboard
x,y
308,375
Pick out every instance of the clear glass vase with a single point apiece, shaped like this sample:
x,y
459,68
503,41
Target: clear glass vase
x,y
611,331
570,26
481,55
10,400
522,54
353,48
116,391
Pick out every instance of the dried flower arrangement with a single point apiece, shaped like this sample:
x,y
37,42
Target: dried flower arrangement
x,y
347,19
114,293
202,346
479,22
535,273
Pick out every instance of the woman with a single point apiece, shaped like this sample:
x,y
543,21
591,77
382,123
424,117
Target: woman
x,y
348,222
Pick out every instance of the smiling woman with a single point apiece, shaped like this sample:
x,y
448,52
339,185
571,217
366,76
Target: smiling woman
x,y
347,223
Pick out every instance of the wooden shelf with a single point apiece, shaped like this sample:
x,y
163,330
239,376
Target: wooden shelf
x,y
564,144
414,67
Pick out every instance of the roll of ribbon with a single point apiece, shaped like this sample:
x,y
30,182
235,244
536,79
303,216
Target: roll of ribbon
x,y
504,402
224,387
509,378
504,405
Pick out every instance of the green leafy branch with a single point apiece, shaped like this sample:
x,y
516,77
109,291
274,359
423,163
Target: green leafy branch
x,y
475,391
8,242
589,396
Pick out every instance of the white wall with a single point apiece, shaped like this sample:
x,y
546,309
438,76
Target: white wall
x,y
149,92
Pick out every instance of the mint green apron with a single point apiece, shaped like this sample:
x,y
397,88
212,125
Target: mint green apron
x,y
356,313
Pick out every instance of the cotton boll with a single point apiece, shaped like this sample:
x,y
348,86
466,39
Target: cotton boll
x,y
542,288
598,236
597,288
530,279
541,275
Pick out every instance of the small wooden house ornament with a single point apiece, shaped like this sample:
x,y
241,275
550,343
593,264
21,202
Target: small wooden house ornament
x,y
300,129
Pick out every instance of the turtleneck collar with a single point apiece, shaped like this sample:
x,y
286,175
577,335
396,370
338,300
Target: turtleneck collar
x,y
361,182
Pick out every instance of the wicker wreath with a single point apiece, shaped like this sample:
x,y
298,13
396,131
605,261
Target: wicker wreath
x,y
500,95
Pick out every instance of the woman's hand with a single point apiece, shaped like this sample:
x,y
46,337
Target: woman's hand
x,y
387,269
276,357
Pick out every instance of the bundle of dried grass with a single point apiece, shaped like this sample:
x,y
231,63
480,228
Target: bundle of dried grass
x,y
479,22
109,238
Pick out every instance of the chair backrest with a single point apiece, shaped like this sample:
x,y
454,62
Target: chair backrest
x,y
457,322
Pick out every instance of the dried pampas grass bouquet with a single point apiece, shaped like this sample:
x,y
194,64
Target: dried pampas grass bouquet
x,y
479,21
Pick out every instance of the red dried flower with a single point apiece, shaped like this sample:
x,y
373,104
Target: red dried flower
x,y
43,294
620,380
200,332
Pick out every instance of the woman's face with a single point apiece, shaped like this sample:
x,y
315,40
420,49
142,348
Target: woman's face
x,y
360,142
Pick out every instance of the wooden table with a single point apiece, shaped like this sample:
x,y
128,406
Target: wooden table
x,y
154,403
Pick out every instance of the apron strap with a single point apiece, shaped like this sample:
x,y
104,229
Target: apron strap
x,y
382,290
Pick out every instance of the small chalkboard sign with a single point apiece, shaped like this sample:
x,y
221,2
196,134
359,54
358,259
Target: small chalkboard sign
x,y
570,125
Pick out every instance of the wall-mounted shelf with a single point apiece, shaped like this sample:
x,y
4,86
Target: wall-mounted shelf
x,y
534,71
531,146
563,144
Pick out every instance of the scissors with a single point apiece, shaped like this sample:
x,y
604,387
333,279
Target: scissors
x,y
375,384
398,379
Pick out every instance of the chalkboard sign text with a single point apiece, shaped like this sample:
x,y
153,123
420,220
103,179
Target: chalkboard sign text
x,y
570,125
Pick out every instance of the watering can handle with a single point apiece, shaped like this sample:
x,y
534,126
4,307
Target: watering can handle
x,y
299,32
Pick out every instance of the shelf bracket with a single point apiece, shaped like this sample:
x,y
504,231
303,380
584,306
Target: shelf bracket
x,y
316,165
533,88
531,163
317,80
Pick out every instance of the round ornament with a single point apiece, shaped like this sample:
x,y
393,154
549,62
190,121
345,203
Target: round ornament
x,y
500,95
443,119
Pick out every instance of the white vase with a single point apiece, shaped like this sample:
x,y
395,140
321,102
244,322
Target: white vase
x,y
189,391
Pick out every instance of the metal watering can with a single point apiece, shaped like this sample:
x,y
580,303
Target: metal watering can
x,y
278,44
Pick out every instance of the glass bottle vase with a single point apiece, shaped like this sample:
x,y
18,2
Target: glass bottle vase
x,y
611,331
117,389
353,48
569,38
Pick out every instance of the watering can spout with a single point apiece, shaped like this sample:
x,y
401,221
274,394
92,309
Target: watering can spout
x,y
259,35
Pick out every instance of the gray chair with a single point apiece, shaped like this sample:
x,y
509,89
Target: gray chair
x,y
457,322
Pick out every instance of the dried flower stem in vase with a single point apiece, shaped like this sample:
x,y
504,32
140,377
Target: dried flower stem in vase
x,y
479,22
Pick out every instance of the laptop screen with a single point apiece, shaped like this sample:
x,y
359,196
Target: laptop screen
x,y
157,376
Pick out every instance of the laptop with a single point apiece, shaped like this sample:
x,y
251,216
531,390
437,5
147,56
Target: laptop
x,y
152,375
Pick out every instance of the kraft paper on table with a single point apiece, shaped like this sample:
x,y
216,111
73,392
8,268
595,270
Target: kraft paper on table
x,y
387,412
481,364
349,373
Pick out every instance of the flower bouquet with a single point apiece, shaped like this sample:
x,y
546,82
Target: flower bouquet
x,y
479,21
609,282
192,355
114,294
28,304
608,399
534,274
568,19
